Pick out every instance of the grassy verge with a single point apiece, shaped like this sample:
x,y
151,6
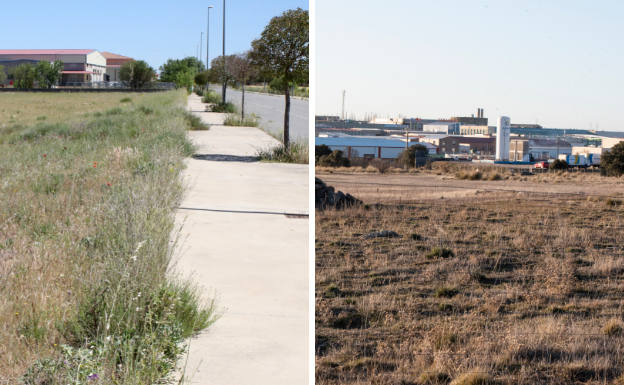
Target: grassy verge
x,y
235,120
86,213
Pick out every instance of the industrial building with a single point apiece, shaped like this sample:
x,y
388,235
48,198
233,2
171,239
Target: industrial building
x,y
79,65
472,129
467,145
529,150
113,66
369,147
479,120
442,127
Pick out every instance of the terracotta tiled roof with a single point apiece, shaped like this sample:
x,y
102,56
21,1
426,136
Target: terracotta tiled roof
x,y
45,51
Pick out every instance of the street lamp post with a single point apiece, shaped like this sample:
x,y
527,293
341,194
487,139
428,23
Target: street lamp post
x,y
201,49
208,39
223,56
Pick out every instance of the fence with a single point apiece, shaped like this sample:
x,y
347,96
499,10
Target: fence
x,y
96,86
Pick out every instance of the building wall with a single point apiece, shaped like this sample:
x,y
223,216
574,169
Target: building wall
x,y
610,142
476,130
451,128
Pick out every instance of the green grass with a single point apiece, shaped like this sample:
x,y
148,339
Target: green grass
x,y
211,97
235,120
224,107
195,122
86,217
297,153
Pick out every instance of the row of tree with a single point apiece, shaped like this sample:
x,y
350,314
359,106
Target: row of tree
x,y
280,54
43,74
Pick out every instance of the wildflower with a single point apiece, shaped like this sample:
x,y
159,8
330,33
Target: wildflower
x,y
108,184
138,308
45,155
93,376
134,258
94,164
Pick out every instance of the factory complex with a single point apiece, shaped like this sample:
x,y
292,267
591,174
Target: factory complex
x,y
466,138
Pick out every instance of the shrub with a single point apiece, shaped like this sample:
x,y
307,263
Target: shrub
x,y
235,120
297,153
224,107
321,150
433,377
416,153
559,164
125,100
195,123
473,378
211,97
440,252
446,292
612,161
613,328
335,159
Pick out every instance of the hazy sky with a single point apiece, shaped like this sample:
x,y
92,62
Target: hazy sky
x,y
558,63
150,30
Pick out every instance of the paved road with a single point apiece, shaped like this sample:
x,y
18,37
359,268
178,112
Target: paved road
x,y
237,242
271,110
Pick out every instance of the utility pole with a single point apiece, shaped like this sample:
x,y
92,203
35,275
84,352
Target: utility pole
x,y
201,46
224,61
208,39
343,101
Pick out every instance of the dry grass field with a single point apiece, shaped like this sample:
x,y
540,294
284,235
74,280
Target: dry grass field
x,y
517,282
27,108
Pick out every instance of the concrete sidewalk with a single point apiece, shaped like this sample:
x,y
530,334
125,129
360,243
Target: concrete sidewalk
x,y
237,242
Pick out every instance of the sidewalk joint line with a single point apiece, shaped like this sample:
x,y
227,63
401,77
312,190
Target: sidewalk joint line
x,y
246,212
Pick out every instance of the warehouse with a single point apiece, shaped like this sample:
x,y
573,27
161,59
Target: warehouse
x,y
79,65
113,66
369,146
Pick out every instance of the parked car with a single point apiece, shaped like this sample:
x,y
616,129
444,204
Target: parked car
x,y
542,164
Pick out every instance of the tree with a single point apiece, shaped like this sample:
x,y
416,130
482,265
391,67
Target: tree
x,y
242,70
24,76
137,74
179,70
416,153
48,74
217,71
612,161
3,75
283,50
201,79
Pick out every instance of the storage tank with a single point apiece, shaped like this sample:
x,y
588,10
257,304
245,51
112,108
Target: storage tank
x,y
503,131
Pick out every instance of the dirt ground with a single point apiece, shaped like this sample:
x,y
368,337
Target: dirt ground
x,y
510,281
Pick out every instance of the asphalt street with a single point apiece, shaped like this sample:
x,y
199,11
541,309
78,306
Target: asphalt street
x,y
270,109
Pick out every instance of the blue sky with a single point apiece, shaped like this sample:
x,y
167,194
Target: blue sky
x,y
558,63
150,30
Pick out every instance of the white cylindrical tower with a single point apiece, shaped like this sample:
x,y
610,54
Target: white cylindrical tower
x,y
503,131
